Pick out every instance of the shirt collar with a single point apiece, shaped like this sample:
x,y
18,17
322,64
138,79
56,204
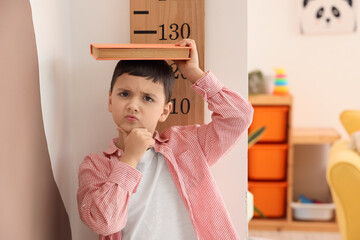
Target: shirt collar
x,y
158,138
112,148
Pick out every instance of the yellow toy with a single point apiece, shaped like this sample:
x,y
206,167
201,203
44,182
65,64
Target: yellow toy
x,y
281,82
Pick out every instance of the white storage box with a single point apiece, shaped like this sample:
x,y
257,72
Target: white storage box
x,y
313,211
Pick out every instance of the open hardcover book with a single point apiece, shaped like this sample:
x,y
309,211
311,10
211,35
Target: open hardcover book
x,y
135,51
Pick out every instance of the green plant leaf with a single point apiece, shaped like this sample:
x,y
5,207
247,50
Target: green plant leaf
x,y
255,136
259,212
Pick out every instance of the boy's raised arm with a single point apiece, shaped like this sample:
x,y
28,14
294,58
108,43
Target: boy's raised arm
x,y
232,114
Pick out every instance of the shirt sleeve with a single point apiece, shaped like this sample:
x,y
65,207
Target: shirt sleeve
x,y
231,117
105,188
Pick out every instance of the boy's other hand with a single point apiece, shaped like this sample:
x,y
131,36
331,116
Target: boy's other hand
x,y
190,68
134,144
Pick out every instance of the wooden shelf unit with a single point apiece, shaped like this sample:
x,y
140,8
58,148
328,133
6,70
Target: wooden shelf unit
x,y
294,225
265,100
295,136
314,136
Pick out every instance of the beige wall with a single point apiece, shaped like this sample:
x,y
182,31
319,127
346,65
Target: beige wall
x,y
323,70
30,203
323,74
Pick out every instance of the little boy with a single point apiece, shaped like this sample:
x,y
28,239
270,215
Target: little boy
x,y
146,186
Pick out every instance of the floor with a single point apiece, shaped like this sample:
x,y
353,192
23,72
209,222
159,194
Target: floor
x,y
292,235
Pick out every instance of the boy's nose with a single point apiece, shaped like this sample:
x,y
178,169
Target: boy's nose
x,y
133,106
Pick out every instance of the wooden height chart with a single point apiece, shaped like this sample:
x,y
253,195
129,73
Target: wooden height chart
x,y
169,21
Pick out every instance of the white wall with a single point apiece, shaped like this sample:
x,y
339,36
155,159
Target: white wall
x,y
74,88
226,56
52,32
323,74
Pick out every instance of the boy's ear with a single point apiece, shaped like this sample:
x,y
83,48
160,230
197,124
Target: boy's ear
x,y
166,112
110,103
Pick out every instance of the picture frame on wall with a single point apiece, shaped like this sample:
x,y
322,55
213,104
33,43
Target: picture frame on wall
x,y
327,16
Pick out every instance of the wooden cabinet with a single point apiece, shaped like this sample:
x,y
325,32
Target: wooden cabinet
x,y
294,136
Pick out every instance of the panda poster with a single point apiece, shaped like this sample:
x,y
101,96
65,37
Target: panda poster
x,y
327,16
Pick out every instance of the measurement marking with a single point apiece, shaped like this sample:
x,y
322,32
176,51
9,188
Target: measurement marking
x,y
145,32
141,12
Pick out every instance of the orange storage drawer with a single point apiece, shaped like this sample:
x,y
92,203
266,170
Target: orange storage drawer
x,y
275,118
269,198
267,161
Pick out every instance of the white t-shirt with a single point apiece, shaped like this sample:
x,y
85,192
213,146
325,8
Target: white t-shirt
x,y
156,211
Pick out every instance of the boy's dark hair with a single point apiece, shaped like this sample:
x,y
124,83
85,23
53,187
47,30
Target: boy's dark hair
x,y
155,70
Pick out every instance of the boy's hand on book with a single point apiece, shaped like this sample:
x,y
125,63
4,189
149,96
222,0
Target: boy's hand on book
x,y
190,68
135,144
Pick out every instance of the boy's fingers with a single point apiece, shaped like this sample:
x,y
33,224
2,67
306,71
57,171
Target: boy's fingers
x,y
189,43
145,133
135,131
151,143
180,43
186,42
143,130
139,134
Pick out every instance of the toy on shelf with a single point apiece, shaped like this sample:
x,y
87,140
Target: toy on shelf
x,y
281,82
304,199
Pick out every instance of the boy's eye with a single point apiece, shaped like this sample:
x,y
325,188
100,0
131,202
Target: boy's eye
x,y
148,99
123,94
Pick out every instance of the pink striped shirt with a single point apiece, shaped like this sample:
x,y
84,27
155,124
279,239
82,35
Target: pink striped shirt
x,y
106,184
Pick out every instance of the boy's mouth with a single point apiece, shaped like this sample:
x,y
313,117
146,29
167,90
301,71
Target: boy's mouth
x,y
131,118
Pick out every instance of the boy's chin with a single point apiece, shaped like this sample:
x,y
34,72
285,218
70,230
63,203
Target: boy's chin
x,y
128,129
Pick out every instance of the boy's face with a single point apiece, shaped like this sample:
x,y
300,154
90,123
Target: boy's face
x,y
137,102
